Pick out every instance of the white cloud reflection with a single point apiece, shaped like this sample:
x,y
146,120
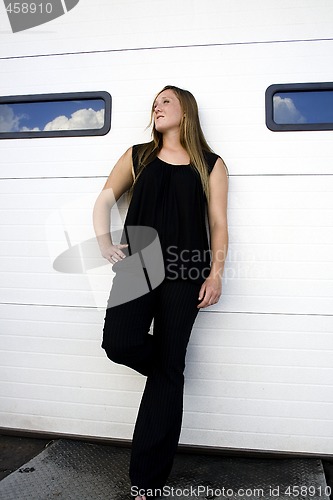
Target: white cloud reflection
x,y
81,119
285,111
9,122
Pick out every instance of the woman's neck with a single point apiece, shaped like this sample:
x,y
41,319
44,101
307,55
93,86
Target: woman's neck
x,y
172,151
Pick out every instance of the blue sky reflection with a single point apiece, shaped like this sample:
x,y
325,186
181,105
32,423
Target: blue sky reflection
x,y
52,115
303,107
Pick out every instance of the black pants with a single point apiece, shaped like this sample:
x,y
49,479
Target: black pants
x,y
161,357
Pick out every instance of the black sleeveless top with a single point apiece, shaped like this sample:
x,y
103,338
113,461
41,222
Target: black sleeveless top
x,y
170,199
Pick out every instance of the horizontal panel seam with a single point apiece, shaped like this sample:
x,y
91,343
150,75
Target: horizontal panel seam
x,y
168,47
64,306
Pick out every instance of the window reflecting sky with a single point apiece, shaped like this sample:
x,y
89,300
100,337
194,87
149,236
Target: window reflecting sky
x,y
303,107
52,115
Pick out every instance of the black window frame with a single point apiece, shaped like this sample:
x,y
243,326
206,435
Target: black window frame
x,y
67,96
293,87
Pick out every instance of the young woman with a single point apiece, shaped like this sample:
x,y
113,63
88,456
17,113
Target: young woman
x,y
175,181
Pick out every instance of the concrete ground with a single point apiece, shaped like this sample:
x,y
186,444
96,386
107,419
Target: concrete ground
x,y
16,451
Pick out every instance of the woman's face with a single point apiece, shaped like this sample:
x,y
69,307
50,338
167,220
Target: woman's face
x,y
167,112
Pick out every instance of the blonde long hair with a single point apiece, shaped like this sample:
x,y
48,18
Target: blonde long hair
x,y
191,138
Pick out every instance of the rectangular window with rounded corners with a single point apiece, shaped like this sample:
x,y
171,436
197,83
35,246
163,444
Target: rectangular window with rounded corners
x,y
299,106
55,115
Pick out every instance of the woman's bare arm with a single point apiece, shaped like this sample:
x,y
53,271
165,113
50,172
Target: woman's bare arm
x,y
118,182
217,215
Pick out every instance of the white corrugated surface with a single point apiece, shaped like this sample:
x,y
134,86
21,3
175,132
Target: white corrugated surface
x,y
229,83
279,261
104,25
259,365
260,380
252,380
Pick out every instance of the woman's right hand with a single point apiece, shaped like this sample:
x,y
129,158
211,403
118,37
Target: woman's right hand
x,y
113,253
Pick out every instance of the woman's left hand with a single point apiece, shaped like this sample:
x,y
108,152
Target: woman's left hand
x,y
210,291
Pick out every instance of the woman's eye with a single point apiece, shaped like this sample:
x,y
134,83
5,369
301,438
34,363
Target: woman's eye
x,y
165,101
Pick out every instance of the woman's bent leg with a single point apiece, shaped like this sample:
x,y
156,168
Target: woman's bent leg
x,y
125,334
159,419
